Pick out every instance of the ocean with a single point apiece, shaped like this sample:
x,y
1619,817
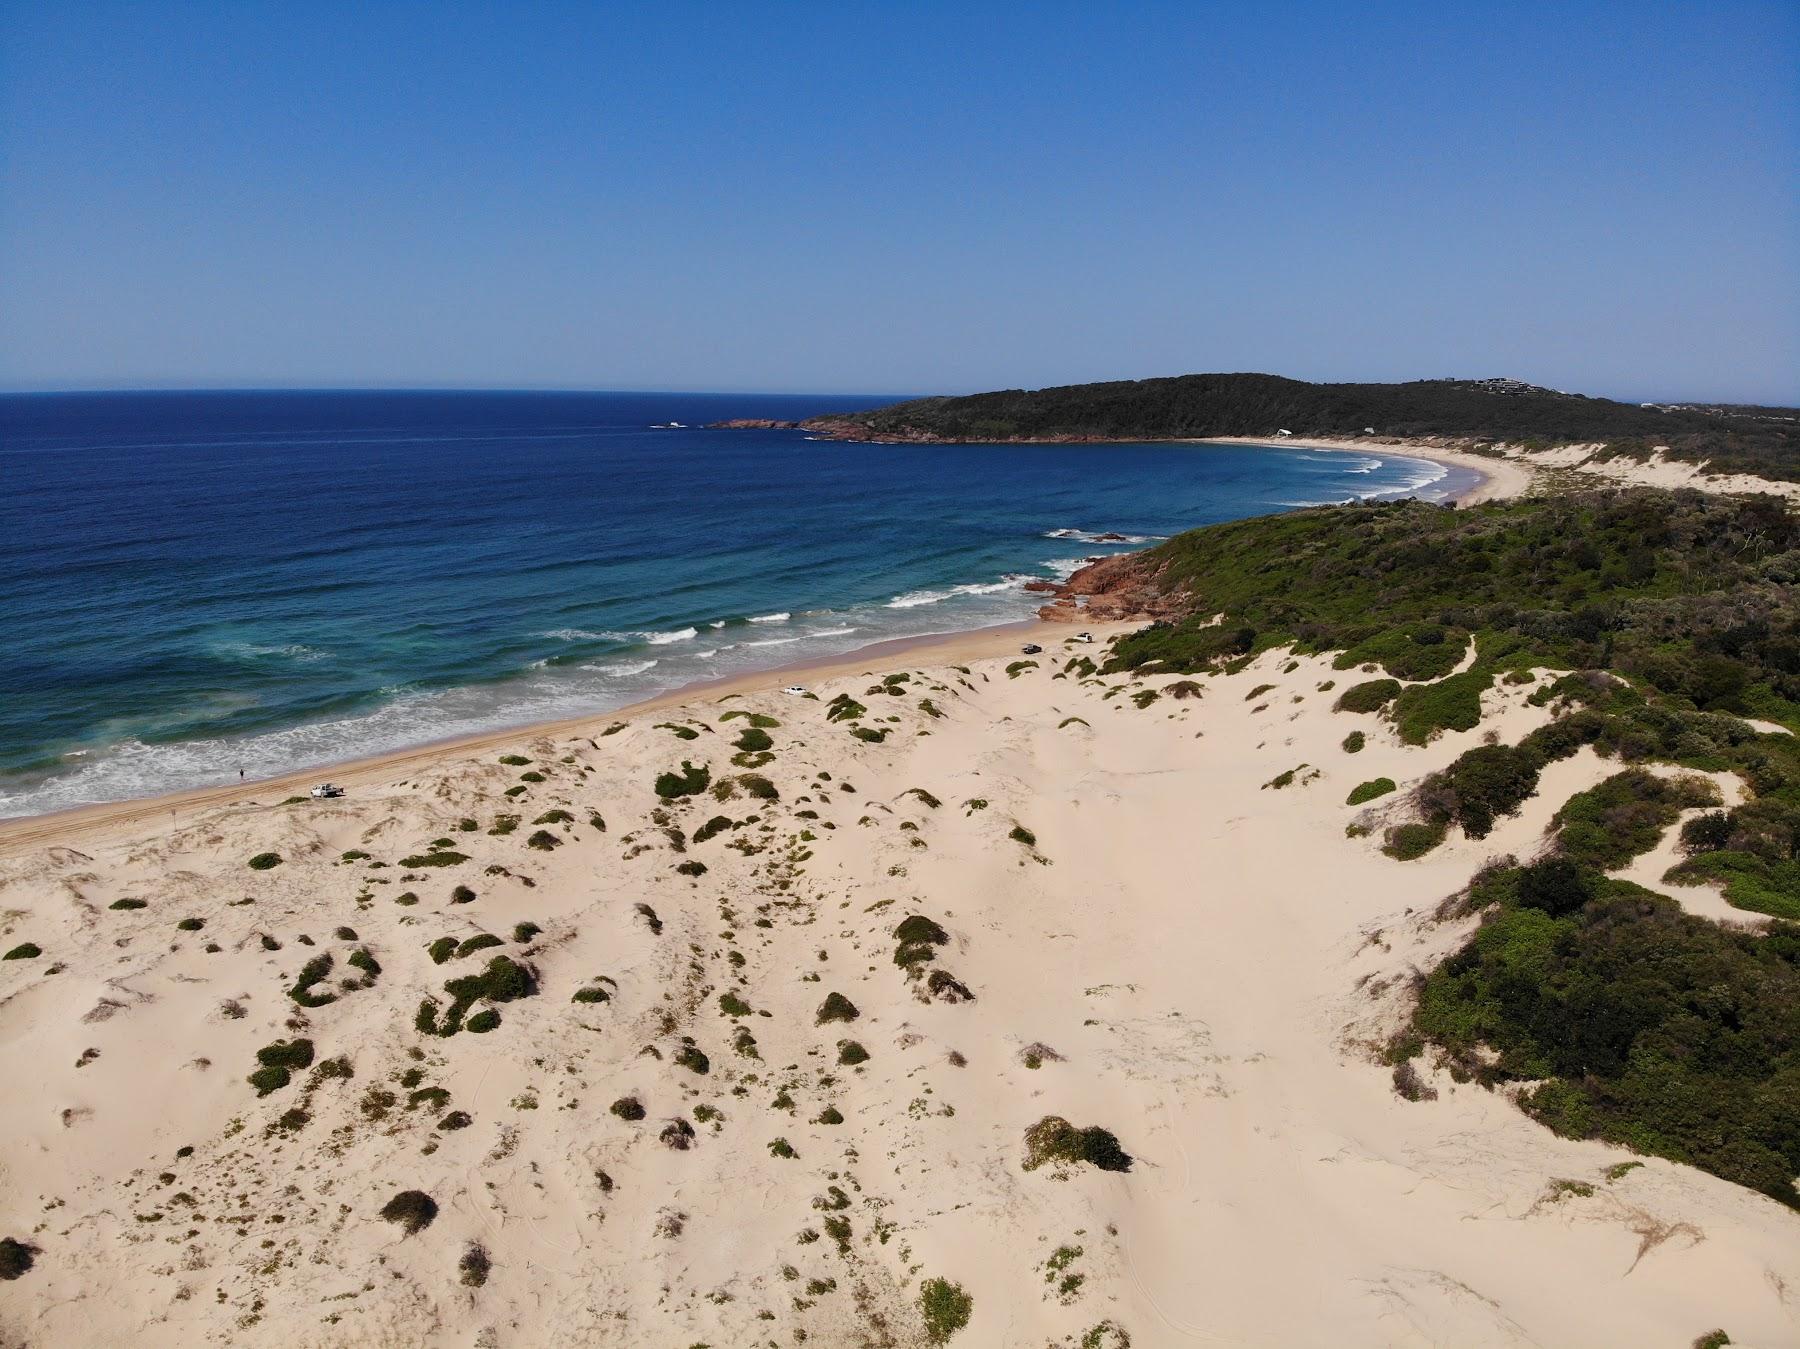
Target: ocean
x,y
194,583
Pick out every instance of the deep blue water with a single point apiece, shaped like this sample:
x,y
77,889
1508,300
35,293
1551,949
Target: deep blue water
x,y
191,583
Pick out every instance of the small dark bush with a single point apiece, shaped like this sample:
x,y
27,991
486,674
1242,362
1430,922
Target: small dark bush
x,y
445,857
190,924
24,951
543,840
690,781
1054,1139
413,1210
1555,886
442,949
945,1307
1368,791
456,1119
264,861
481,941
628,1108
483,1021
462,895
128,904
16,1258
475,1266
851,1053
837,1007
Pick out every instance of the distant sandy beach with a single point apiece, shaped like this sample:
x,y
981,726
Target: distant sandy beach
x,y
1499,479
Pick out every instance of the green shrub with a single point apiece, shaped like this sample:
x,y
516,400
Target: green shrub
x,y
693,1059
1368,791
873,735
524,932
628,1108
844,708
412,1210
265,861
732,1005
837,1007
481,941
691,869
753,741
190,924
718,824
945,1307
1354,742
24,951
462,895
286,1054
269,1078
474,1267
690,781
313,972
554,817
128,904
514,760
1370,696
543,840
1408,841
1054,1139
756,786
851,1053
483,1021
1020,834
1452,704
444,857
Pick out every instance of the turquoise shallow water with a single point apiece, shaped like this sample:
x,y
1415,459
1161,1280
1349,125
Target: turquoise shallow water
x,y
198,582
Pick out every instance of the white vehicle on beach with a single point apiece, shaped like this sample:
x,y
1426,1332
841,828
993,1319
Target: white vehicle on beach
x,y
796,689
326,790
1082,637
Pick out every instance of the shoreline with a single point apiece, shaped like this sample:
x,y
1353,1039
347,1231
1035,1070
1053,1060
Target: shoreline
x,y
1496,479
21,832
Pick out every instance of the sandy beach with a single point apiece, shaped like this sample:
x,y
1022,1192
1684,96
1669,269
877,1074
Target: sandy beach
x,y
723,1111
1499,478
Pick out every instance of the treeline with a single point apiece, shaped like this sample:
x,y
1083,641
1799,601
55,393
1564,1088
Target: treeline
x,y
1755,440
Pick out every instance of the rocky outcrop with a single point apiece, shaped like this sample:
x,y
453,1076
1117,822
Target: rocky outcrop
x,y
753,424
1118,588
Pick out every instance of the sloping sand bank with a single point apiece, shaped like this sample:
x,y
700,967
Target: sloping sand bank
x,y
1142,928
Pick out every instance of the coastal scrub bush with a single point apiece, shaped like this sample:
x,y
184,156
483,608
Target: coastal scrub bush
x,y
844,708
312,973
758,787
690,781
1606,826
265,861
1053,1139
837,1007
1354,742
718,824
442,857
1020,834
945,1309
479,942
554,817
412,1210
462,895
543,840
1368,791
514,760
753,740
873,735
28,950
483,1021
1369,696
1454,704
129,904
16,1258
1405,842
190,924
628,1108
851,1053
474,1267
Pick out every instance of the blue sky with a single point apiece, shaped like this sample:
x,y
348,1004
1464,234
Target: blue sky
x,y
911,197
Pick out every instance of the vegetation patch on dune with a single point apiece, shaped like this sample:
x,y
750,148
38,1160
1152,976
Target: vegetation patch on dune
x,y
1053,1140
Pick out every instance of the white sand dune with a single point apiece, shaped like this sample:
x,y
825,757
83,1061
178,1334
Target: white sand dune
x,y
1196,960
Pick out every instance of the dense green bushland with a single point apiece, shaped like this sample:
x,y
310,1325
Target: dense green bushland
x,y
1758,440
1640,1024
1675,615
